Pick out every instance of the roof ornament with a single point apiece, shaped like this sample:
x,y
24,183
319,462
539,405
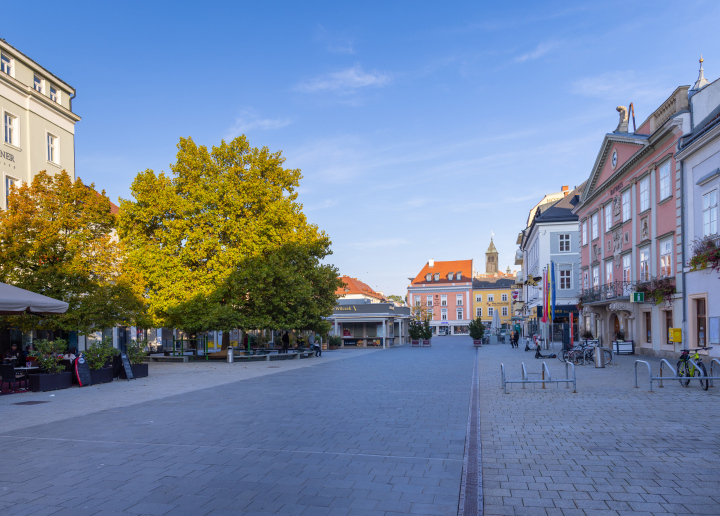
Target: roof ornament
x,y
701,81
623,123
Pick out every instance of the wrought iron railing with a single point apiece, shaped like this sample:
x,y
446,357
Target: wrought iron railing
x,y
614,290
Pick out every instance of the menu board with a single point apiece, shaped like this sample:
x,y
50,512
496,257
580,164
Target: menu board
x,y
82,372
126,366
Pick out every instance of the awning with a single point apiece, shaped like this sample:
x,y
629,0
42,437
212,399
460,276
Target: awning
x,y
16,301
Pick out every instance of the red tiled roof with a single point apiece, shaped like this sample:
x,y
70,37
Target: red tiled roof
x,y
355,286
444,268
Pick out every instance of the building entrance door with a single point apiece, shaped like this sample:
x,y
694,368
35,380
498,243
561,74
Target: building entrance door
x,y
615,326
444,330
701,324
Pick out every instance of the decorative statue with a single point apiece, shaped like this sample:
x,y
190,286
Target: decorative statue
x,y
623,124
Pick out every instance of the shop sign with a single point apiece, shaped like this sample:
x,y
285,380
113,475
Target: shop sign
x,y
560,311
7,156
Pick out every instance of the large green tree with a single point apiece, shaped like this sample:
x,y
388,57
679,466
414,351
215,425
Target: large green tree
x,y
221,231
57,239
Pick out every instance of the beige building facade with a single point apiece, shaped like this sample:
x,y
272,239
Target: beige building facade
x,y
38,124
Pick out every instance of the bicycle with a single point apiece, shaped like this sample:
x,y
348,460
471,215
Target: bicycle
x,y
583,354
686,370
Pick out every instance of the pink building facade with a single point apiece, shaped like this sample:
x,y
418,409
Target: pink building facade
x,y
630,231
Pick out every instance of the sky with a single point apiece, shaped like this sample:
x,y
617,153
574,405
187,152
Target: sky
x,y
421,128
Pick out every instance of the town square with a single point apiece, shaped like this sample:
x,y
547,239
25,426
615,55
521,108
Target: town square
x,y
372,258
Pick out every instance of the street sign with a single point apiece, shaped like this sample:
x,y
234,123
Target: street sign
x,y
675,334
638,297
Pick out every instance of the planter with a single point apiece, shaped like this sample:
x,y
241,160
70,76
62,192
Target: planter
x,y
426,342
477,343
415,342
50,382
139,371
102,375
626,347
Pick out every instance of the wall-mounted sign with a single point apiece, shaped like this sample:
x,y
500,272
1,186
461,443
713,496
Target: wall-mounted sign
x,y
7,156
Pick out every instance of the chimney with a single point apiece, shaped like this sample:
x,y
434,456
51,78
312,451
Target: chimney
x,y
431,263
565,190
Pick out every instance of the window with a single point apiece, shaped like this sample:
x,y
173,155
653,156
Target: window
x,y
443,300
52,149
608,272
429,301
450,276
626,206
644,194
585,280
608,217
584,232
6,64
503,297
594,226
665,255
645,264
458,299
564,243
491,311
38,84
54,95
437,276
626,268
564,280
418,300
491,298
9,183
596,276
459,314
665,180
668,325
430,315
648,327
458,276
700,321
443,314
710,213
10,124
478,298
428,277
505,311
478,311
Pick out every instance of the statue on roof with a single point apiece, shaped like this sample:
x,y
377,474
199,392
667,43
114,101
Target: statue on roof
x,y
623,124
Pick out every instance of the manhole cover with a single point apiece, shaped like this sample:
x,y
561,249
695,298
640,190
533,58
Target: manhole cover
x,y
30,402
273,367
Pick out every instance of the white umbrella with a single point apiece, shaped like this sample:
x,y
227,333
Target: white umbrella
x,y
495,325
15,301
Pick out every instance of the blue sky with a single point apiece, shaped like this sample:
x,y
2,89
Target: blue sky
x,y
420,127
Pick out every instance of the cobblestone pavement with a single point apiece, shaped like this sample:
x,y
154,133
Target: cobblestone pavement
x,y
378,433
609,449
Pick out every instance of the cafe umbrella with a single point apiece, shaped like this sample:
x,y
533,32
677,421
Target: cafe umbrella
x,y
16,301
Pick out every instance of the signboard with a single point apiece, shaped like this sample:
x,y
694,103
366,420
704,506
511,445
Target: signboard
x,y
714,331
560,311
638,297
126,366
82,372
675,334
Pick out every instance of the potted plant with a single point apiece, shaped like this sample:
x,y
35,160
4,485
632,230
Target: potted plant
x,y
620,335
587,334
136,352
415,330
53,375
334,341
99,358
477,331
426,332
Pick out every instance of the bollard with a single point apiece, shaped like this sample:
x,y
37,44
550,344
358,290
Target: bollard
x,y
599,362
231,355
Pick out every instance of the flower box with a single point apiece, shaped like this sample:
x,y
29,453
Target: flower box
x,y
50,382
414,342
102,375
139,371
426,342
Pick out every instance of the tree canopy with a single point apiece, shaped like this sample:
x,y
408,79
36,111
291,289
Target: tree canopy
x,y
222,242
57,239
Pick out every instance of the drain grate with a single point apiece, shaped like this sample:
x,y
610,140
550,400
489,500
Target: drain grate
x,y
30,402
273,367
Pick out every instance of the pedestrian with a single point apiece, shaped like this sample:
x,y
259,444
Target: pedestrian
x,y
314,345
285,342
516,338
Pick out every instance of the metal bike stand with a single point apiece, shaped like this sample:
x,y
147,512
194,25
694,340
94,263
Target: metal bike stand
x,y
675,376
546,377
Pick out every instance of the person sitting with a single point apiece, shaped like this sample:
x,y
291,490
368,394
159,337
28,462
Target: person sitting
x,y
70,355
13,354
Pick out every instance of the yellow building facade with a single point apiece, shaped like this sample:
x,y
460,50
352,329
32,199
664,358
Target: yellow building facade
x,y
490,295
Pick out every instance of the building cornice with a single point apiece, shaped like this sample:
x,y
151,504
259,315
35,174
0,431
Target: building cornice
x,y
35,66
698,144
29,93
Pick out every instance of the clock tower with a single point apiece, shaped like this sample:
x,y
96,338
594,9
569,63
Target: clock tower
x,y
491,259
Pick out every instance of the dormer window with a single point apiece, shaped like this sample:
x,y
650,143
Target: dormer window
x,y
437,276
428,277
458,275
450,276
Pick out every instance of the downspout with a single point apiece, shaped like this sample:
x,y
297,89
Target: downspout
x,y
682,251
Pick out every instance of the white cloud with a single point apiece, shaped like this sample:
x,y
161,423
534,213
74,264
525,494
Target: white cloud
x,y
249,120
621,86
540,50
341,48
345,81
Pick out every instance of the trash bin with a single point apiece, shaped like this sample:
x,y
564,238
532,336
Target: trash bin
x,y
599,362
231,355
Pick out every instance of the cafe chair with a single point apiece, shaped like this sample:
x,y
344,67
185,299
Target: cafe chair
x,y
8,375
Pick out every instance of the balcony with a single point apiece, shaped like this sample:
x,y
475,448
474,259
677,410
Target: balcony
x,y
614,290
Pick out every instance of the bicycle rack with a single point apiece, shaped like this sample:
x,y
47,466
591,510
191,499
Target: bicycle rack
x,y
546,378
713,361
675,376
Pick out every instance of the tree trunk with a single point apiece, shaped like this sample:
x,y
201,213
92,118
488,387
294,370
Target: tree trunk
x,y
225,340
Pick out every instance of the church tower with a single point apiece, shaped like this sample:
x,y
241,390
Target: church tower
x,y
491,259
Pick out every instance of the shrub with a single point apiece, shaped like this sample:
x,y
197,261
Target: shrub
x,y
137,351
415,329
47,351
477,329
98,353
335,340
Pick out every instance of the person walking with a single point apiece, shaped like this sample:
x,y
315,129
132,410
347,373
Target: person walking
x,y
285,342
